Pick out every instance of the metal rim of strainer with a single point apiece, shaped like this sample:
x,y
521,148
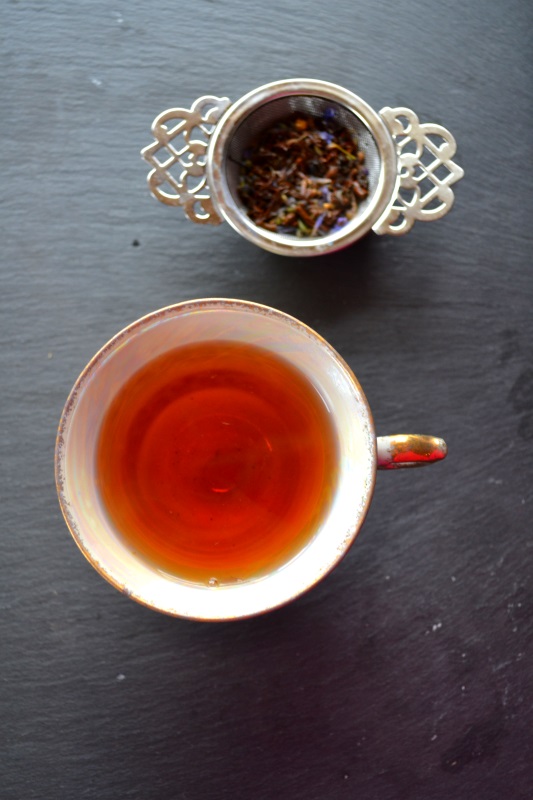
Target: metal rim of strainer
x,y
231,209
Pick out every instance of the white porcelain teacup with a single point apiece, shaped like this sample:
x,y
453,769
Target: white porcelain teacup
x,y
357,457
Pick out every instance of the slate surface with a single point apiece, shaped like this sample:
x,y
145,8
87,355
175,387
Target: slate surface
x,y
407,673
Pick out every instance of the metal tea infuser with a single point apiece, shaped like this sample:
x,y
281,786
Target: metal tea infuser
x,y
195,160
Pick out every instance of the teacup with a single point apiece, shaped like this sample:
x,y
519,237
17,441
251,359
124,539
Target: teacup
x,y
246,499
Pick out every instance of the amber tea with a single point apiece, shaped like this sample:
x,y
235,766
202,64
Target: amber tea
x,y
217,461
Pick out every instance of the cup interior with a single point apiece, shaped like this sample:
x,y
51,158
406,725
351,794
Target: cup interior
x,y
144,340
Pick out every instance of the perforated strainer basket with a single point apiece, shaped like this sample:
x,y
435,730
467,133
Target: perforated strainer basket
x,y
195,161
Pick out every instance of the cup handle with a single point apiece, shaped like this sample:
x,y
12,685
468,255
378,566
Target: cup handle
x,y
409,450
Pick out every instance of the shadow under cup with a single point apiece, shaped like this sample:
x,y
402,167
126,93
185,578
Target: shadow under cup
x,y
152,336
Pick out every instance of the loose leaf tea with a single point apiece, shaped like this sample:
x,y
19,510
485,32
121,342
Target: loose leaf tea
x,y
304,175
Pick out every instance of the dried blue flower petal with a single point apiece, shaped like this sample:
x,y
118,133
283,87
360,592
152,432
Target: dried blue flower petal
x,y
340,223
317,224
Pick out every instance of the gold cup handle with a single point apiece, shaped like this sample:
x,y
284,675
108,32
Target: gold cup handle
x,y
409,450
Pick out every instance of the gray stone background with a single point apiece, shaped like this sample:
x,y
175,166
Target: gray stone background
x,y
407,673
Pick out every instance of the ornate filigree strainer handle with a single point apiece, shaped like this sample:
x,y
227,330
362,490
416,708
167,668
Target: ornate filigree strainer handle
x,y
178,157
425,172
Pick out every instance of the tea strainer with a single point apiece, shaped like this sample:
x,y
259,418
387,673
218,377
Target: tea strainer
x,y
196,154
